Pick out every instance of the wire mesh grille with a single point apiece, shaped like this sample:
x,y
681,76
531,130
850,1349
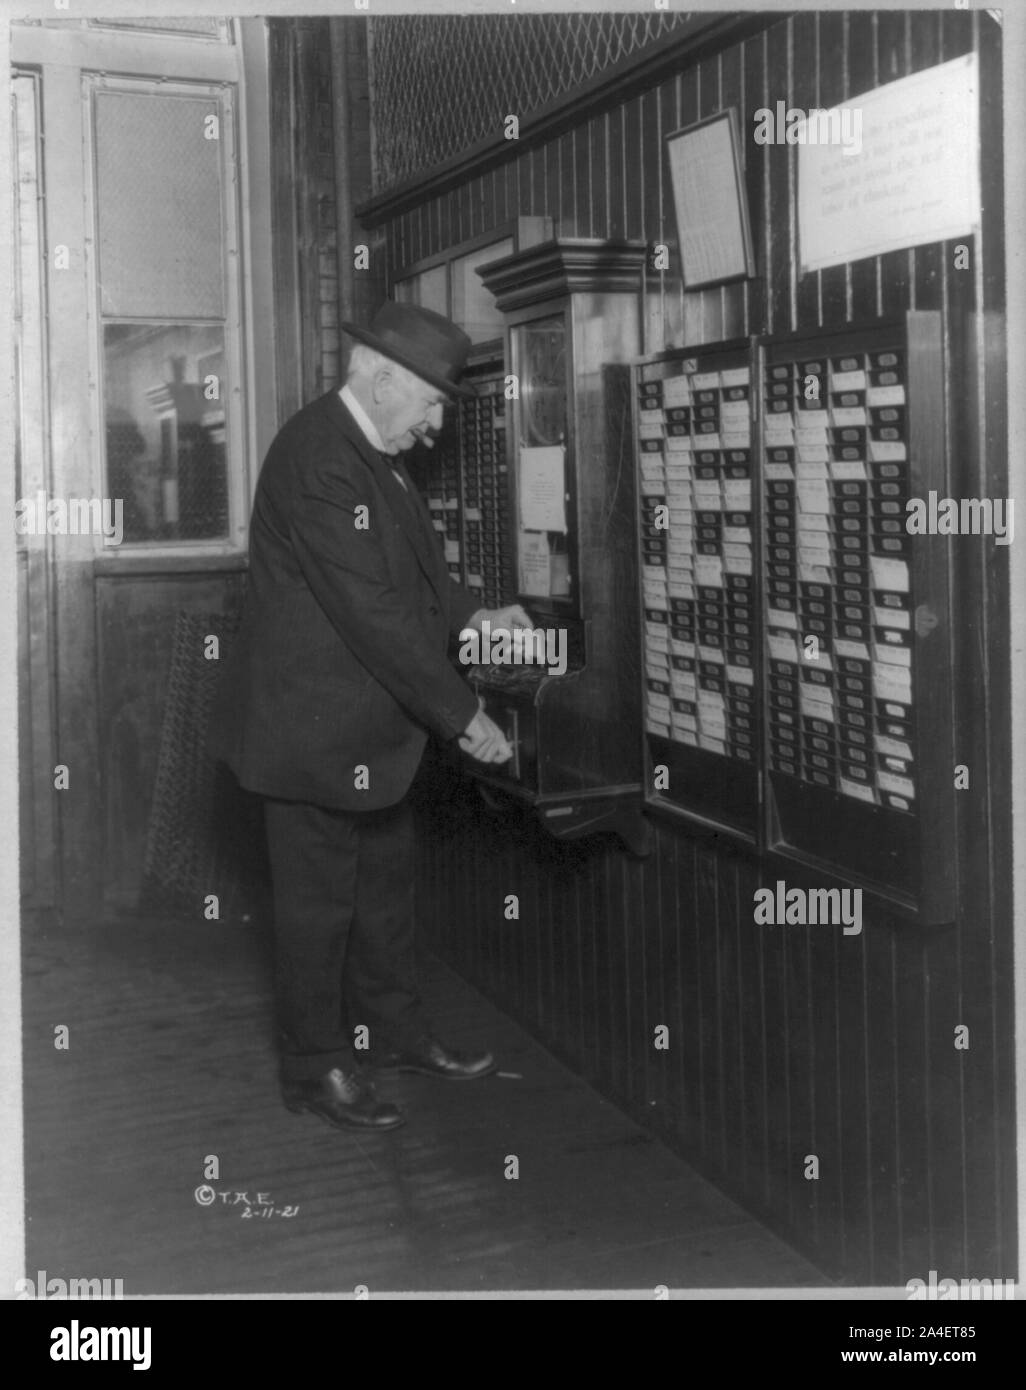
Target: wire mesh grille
x,y
440,83
204,833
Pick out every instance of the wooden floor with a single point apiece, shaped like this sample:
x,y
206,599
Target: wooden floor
x,y
171,1059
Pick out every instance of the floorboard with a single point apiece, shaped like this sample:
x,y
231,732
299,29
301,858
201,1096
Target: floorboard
x,y
171,1059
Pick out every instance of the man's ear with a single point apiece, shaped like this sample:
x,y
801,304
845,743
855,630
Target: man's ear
x,y
382,382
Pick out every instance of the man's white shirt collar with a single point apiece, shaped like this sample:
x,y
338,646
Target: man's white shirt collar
x,y
370,430
362,419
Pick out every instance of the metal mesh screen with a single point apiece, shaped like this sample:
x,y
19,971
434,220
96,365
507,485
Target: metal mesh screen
x,y
440,83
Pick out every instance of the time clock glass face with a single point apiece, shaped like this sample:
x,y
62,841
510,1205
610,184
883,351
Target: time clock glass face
x,y
543,382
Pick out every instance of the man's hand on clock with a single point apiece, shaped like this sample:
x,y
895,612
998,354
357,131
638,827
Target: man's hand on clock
x,y
484,740
499,618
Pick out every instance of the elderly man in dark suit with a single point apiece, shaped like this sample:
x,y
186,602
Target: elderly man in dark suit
x,y
337,676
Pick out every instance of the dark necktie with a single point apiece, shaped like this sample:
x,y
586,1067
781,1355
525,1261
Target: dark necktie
x,y
393,460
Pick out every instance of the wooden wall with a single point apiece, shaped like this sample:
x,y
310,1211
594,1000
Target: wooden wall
x,y
321,165
304,227
798,1041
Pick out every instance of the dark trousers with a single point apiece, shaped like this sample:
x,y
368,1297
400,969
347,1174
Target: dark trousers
x,y
343,932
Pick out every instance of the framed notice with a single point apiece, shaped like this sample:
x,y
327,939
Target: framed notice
x,y
713,229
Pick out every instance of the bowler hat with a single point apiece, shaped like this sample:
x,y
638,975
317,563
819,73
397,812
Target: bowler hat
x,y
428,344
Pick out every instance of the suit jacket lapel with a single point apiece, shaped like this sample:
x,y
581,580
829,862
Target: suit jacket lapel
x,y
406,505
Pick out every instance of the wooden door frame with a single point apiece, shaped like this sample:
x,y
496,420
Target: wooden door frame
x,y
61,57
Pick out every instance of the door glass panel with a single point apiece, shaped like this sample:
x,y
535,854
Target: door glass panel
x,y
164,392
159,206
541,481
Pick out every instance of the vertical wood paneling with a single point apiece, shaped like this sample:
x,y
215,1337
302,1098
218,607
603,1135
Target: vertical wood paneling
x,y
616,223
833,38
708,1004
619,987
663,325
582,180
567,176
689,985
956,1108
994,481
659,985
552,194
514,195
735,297
708,302
862,64
632,939
650,160
689,85
805,82
549,940
899,270
783,1041
634,168
574,997
756,180
445,219
821,988
752,1045
283,218
731,1056
783,1157
916,1091
308,41
800,1065
779,159
923,40
598,960
881,1052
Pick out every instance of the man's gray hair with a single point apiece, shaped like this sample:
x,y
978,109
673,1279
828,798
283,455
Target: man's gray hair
x,y
364,361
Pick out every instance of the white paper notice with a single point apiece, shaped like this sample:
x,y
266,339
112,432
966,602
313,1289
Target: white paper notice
x,y
543,490
534,564
910,177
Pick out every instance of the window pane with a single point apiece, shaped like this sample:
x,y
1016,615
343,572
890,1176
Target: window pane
x,y
161,250
473,306
29,445
429,289
164,393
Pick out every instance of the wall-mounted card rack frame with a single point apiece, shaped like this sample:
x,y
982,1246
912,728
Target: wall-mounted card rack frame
x,y
464,482
796,639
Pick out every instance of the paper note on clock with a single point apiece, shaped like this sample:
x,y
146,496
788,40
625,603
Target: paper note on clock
x,y
535,568
543,489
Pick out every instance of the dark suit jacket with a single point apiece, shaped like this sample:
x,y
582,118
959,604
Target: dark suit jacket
x,y
340,659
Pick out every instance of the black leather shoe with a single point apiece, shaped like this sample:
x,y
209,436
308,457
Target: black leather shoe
x,y
344,1099
428,1057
